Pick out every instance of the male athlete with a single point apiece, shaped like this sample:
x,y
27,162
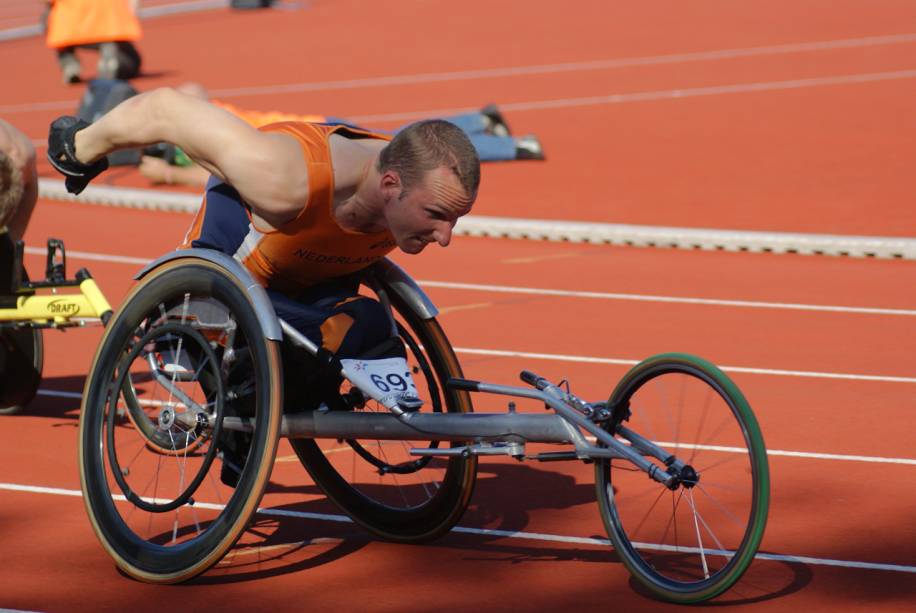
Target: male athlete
x,y
18,180
301,206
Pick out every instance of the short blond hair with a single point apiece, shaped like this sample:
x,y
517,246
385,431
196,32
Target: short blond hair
x,y
11,188
426,145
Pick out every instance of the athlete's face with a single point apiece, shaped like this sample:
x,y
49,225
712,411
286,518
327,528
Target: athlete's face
x,y
427,212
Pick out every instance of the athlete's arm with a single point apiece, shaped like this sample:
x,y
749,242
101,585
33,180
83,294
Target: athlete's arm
x,y
267,169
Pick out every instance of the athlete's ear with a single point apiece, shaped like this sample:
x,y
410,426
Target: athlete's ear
x,y
390,184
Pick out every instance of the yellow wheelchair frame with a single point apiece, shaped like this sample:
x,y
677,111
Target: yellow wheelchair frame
x,y
27,307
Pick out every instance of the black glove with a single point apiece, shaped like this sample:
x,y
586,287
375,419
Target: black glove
x,y
62,154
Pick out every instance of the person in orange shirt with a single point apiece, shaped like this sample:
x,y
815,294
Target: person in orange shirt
x,y
111,26
304,207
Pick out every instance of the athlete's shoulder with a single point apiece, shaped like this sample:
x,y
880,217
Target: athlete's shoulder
x,y
300,129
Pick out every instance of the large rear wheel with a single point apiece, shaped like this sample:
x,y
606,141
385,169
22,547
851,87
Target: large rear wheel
x,y
378,483
183,356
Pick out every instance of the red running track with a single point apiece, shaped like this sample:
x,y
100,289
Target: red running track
x,y
827,157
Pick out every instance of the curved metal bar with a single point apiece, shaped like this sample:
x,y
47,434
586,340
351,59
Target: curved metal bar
x,y
263,308
393,277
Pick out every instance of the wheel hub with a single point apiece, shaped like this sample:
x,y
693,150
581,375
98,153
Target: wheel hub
x,y
688,477
166,418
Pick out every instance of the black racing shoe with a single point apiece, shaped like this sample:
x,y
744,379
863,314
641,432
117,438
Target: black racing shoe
x,y
496,123
69,67
528,148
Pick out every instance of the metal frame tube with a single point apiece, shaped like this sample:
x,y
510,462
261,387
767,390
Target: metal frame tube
x,y
420,426
554,398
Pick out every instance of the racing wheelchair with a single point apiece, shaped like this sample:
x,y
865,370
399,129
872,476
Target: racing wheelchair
x,y
191,367
28,307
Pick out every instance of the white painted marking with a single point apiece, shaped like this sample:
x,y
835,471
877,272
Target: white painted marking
x,y
606,64
511,71
671,94
511,534
539,291
99,257
790,454
555,230
627,362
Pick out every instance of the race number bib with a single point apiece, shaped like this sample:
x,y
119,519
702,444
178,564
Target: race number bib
x,y
387,380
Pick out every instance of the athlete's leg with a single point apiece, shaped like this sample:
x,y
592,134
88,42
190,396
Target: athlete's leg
x,y
118,60
494,148
69,65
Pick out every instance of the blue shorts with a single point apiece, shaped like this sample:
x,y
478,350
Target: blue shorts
x,y
331,314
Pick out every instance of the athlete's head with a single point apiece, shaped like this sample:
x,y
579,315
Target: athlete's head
x,y
11,187
430,173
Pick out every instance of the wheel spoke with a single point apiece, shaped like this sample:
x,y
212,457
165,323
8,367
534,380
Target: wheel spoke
x,y
725,511
702,421
699,537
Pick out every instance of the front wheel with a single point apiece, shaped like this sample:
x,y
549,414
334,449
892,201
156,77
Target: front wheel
x,y
692,542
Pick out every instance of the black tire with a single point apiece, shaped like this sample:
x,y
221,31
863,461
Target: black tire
x,y
698,544
21,363
161,510
392,494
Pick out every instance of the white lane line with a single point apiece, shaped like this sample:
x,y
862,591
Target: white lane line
x,y
510,534
629,362
98,257
719,448
606,64
538,291
513,71
670,94
789,454
840,457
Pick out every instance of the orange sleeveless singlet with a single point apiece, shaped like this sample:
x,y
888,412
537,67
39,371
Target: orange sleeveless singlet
x,y
312,247
263,118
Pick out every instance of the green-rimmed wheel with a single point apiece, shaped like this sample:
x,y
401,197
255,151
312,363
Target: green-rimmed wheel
x,y
183,354
693,541
378,483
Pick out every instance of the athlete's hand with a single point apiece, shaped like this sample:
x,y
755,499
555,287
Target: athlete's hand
x,y
62,154
156,170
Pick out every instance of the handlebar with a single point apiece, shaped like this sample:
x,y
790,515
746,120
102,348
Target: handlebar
x,y
534,380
